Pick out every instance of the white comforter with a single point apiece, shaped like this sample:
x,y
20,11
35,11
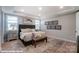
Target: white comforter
x,y
39,35
35,35
26,36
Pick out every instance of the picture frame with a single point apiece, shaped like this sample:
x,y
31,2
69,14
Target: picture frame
x,y
58,27
50,27
46,23
51,22
55,22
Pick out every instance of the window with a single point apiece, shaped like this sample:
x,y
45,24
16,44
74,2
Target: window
x,y
12,22
37,24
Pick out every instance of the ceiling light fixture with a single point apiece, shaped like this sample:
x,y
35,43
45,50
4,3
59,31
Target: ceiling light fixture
x,y
39,8
61,7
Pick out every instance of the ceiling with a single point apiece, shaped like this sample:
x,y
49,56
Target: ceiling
x,y
40,11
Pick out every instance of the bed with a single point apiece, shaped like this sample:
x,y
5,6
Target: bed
x,y
28,35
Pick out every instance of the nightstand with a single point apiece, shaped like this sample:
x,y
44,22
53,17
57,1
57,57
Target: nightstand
x,y
12,35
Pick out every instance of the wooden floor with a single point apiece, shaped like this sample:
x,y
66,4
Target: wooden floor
x,y
52,46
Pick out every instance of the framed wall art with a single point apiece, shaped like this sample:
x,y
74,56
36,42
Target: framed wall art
x,y
53,25
58,27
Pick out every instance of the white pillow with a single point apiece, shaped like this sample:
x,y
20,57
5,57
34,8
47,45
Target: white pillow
x,y
33,30
26,30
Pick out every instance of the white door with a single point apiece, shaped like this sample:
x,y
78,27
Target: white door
x,y
77,24
77,30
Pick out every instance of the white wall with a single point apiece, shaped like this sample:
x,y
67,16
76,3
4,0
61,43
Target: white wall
x,y
68,23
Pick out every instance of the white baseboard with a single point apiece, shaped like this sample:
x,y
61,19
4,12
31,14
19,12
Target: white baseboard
x,y
68,40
